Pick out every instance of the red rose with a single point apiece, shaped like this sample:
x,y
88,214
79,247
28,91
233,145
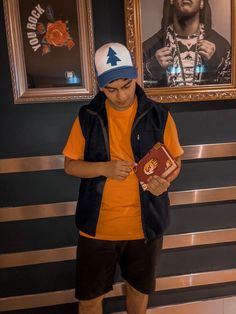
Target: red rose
x,y
57,34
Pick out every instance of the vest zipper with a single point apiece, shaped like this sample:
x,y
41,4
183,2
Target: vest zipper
x,y
104,131
139,118
138,139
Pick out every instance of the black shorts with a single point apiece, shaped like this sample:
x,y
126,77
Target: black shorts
x,y
97,259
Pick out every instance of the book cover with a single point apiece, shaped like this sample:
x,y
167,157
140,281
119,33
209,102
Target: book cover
x,y
157,161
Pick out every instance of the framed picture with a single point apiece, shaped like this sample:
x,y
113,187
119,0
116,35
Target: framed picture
x,y
51,50
184,50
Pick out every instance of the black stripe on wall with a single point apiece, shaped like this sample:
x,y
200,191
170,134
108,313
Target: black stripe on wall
x,y
38,234
29,279
201,217
39,187
202,174
71,308
205,122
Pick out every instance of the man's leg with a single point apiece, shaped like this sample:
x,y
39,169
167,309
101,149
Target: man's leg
x,y
95,268
139,261
136,301
93,306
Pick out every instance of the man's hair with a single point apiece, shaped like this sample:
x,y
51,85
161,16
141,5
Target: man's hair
x,y
205,15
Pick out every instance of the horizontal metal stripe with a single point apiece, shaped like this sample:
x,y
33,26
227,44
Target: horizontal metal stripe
x,y
37,257
37,300
37,211
184,281
40,163
216,306
203,196
68,208
199,238
69,253
27,164
196,279
164,283
220,150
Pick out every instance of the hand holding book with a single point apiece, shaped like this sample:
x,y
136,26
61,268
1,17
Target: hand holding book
x,y
156,185
157,164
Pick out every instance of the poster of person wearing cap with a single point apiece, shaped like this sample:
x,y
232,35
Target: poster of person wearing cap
x,y
186,42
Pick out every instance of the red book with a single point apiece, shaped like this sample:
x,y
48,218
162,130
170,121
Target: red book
x,y
157,161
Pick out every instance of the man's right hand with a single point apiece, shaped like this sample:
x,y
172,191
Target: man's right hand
x,y
164,57
114,169
117,169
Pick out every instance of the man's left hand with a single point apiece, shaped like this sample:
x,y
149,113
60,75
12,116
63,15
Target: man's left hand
x,y
206,49
157,185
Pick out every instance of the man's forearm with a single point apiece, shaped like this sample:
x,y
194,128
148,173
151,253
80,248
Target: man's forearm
x,y
114,169
83,169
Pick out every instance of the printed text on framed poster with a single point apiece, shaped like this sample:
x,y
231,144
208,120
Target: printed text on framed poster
x,y
50,49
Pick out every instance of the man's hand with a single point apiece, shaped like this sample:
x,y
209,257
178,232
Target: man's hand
x,y
157,185
117,169
206,49
164,57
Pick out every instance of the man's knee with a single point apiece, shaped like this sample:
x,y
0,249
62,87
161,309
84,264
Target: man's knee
x,y
92,306
131,290
136,301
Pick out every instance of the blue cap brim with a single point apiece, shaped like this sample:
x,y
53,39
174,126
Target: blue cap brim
x,y
126,72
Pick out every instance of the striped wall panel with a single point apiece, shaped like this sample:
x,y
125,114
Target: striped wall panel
x,y
173,241
224,236
166,283
40,163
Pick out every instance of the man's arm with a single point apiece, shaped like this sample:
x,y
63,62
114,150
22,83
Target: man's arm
x,y
114,169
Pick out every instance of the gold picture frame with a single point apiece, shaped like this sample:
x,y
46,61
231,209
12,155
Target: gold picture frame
x,y
51,50
135,25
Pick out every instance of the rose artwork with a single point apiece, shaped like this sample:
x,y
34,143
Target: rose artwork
x,y
57,35
54,33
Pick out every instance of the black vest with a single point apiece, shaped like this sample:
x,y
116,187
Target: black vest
x,y
148,128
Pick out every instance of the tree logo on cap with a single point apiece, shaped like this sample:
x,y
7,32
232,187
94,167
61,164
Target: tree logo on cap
x,y
112,58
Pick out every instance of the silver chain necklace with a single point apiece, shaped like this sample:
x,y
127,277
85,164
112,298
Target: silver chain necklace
x,y
180,60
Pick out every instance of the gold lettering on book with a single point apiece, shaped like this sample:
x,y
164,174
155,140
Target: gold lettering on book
x,y
150,166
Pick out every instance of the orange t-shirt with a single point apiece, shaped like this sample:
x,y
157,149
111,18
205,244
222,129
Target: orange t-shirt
x,y
120,212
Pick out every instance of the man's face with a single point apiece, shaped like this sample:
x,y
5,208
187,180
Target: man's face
x,y
120,93
186,7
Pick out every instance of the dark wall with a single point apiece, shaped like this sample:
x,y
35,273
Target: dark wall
x,y
42,129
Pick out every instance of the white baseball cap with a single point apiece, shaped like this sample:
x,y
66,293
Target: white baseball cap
x,y
113,61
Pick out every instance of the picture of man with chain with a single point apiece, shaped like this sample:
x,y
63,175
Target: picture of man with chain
x,y
186,51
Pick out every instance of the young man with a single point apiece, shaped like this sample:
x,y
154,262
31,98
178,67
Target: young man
x,y
186,51
118,222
